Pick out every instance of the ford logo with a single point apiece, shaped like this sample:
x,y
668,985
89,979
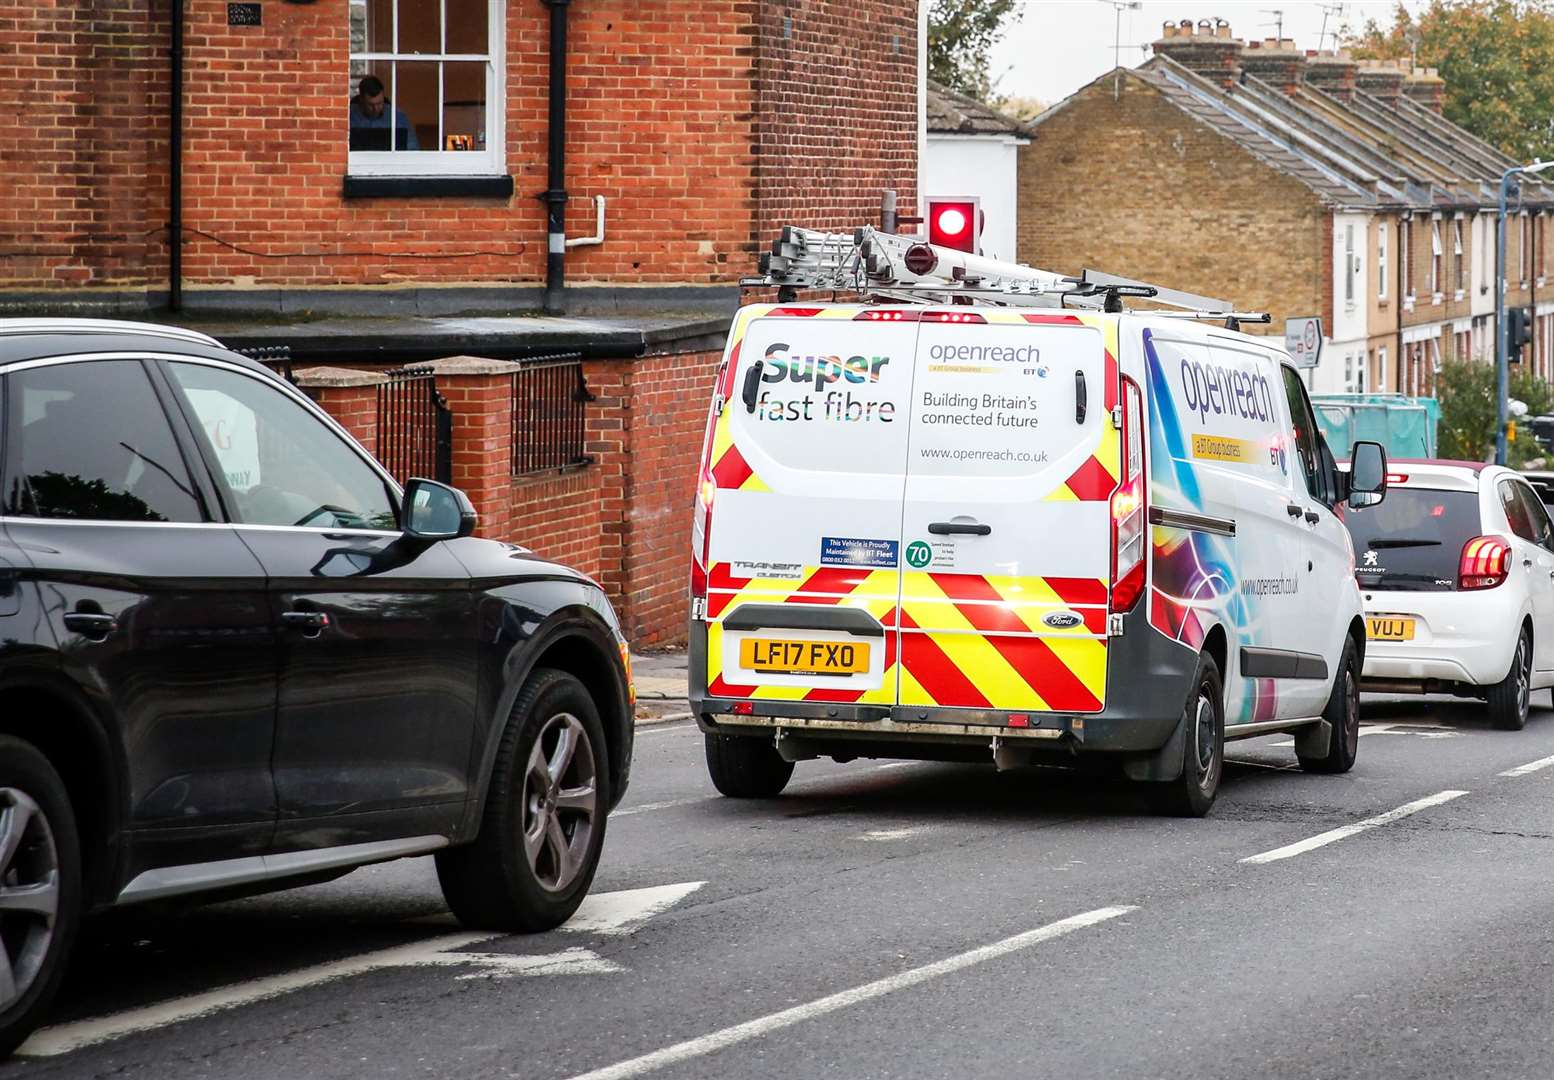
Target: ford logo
x,y
1063,620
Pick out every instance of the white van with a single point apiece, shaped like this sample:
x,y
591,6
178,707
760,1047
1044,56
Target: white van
x,y
973,533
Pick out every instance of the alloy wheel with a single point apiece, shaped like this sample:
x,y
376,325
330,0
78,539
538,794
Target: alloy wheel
x,y
560,802
29,893
1523,679
1351,712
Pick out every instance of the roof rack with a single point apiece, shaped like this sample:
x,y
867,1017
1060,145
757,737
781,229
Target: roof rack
x,y
879,265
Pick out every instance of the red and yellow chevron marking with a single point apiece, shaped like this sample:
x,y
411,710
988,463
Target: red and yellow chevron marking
x,y
875,591
985,646
971,641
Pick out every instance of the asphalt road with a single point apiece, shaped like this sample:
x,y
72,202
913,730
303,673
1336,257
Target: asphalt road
x,y
911,920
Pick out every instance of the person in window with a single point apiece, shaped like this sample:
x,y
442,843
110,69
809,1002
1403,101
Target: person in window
x,y
370,119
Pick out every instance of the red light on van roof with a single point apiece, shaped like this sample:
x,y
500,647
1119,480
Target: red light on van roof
x,y
886,316
953,317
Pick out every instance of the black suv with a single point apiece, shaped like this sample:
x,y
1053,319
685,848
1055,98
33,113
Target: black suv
x,y
235,656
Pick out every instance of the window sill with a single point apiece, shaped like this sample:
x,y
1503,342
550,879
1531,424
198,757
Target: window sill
x,y
428,187
1459,295
1436,299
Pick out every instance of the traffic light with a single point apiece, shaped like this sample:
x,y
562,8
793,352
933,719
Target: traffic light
x,y
1518,332
955,222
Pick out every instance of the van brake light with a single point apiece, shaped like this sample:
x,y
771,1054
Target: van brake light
x,y
1486,562
953,317
1128,509
875,315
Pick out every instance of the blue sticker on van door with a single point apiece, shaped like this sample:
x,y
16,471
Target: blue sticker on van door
x,y
853,551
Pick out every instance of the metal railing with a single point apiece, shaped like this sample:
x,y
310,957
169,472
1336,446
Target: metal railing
x,y
415,427
550,399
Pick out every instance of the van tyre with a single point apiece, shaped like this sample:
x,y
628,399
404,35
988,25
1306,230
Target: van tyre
x,y
746,767
1192,793
40,888
1343,718
543,829
1508,698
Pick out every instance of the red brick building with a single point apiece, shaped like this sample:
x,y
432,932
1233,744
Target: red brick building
x,y
367,231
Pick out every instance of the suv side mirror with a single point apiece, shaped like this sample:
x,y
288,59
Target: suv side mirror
x,y
434,511
1367,474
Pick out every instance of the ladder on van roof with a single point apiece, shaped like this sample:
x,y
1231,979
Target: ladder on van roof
x,y
878,265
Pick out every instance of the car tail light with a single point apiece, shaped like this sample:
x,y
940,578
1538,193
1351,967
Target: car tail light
x,y
953,317
1486,561
1128,509
1397,478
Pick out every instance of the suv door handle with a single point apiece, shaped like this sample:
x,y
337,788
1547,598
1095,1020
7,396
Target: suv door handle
x,y
90,624
311,623
1312,517
956,528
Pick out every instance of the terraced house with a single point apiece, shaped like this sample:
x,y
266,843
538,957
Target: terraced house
x,y
1297,182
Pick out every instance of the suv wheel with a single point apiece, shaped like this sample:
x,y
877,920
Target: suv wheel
x,y
40,888
1508,697
543,830
1343,717
1203,759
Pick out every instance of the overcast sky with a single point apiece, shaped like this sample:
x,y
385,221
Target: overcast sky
x,y
1060,45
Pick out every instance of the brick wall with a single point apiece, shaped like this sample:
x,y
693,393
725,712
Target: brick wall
x,y
1134,187
677,111
83,105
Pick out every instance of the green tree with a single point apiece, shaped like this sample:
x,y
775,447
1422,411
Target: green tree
x,y
1497,58
961,34
1466,392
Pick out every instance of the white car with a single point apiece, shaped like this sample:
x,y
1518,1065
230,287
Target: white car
x,y
1456,569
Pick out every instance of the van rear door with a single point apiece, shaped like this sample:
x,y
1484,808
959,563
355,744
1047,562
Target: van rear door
x,y
1006,530
805,467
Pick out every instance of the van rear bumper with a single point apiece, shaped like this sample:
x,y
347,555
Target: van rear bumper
x,y
1148,678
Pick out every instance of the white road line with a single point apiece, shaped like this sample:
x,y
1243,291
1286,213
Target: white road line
x,y
648,808
893,834
1332,836
618,913
1531,766
718,1040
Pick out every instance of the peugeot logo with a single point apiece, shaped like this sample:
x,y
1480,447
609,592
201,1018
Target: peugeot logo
x,y
1062,620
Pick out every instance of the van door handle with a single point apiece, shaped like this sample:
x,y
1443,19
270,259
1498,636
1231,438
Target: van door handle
x,y
957,528
752,388
1081,397
90,624
1294,511
1312,517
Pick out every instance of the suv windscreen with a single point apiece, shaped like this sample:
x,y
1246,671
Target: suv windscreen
x,y
1412,541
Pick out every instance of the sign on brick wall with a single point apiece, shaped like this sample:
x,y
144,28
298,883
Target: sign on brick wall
x,y
244,15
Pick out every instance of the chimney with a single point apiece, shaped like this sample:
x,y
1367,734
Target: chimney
x,y
1276,62
1381,79
1424,86
1207,49
1333,73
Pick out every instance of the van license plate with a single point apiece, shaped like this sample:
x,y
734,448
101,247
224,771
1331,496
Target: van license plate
x,y
1390,629
804,657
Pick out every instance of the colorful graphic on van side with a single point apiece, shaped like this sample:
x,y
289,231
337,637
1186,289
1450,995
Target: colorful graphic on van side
x,y
1194,573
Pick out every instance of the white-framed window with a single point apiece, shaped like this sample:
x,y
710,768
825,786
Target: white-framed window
x,y
1435,260
1349,264
1521,251
1381,260
1381,367
1459,265
427,87
1405,255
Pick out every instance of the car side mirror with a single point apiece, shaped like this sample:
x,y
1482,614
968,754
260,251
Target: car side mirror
x,y
436,511
1367,474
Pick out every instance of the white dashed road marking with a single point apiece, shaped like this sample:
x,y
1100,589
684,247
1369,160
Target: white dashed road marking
x,y
1531,766
1332,836
751,1029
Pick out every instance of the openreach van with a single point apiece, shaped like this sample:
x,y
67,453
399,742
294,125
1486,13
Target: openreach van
x,y
984,514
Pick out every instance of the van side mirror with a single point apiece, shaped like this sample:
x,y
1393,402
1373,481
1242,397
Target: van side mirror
x,y
434,511
1367,474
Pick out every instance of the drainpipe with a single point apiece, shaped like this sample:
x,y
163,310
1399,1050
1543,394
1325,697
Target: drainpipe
x,y
555,196
175,164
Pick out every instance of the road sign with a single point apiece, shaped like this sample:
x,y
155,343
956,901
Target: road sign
x,y
1303,340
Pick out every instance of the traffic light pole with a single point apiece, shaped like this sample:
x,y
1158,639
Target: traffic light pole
x,y
1502,329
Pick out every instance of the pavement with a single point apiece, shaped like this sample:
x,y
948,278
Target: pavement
x,y
660,678
905,919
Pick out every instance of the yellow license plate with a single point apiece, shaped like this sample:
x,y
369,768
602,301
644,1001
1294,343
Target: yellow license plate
x,y
1389,628
804,657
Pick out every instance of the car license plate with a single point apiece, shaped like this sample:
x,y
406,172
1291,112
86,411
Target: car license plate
x,y
804,657
1389,628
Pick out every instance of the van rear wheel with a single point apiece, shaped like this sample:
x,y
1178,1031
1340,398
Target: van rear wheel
x,y
746,767
1192,794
